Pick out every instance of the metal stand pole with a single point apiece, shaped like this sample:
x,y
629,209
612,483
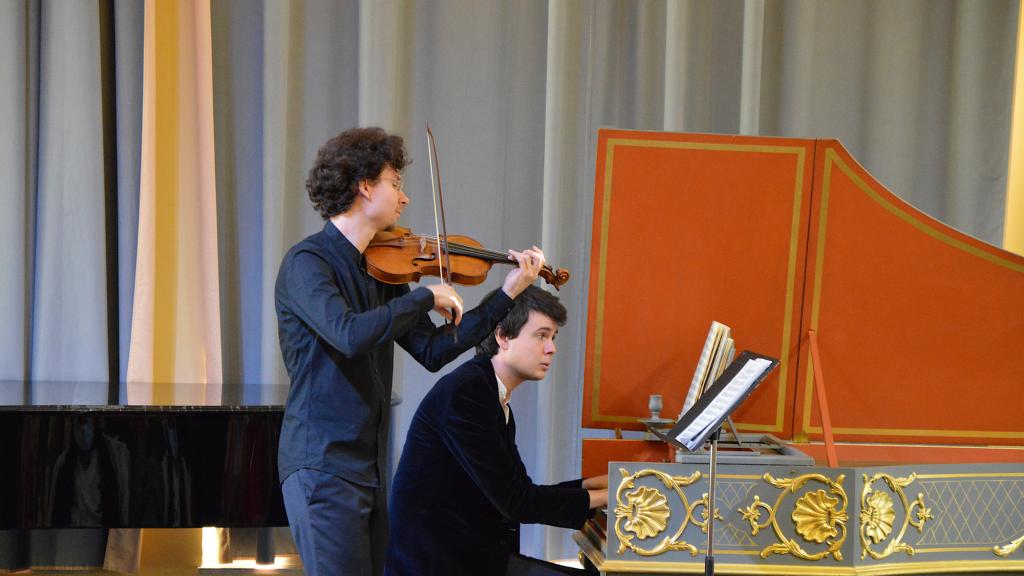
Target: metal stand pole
x,y
735,432
709,561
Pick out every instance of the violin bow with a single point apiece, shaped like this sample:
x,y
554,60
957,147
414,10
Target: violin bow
x,y
444,260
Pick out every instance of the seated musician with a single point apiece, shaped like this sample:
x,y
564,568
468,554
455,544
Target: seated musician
x,y
461,485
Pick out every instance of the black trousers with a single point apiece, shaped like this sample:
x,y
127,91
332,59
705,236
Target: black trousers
x,y
340,528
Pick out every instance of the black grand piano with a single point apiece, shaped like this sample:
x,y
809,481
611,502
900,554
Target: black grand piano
x,y
140,467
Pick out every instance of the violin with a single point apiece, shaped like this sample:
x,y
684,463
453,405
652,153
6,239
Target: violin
x,y
398,256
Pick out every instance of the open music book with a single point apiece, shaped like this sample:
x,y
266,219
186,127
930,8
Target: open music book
x,y
720,399
717,353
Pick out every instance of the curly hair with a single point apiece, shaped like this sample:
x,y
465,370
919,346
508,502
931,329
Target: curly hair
x,y
533,298
346,160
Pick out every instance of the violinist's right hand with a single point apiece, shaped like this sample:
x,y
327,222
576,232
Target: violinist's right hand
x,y
447,302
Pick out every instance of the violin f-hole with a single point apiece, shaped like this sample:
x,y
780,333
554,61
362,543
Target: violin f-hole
x,y
424,258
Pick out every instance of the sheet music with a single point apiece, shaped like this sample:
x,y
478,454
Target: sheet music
x,y
721,359
700,375
751,371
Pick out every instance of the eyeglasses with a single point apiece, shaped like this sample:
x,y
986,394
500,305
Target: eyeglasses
x,y
396,183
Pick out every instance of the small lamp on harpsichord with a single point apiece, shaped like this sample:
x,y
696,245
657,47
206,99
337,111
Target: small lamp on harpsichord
x,y
656,422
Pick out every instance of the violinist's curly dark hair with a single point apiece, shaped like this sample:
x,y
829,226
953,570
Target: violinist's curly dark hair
x,y
346,160
533,298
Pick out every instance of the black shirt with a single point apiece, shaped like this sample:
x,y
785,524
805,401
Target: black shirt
x,y
336,325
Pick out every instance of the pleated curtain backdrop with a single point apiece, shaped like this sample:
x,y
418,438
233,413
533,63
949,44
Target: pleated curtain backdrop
x,y
919,90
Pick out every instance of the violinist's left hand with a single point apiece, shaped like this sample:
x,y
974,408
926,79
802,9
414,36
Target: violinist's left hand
x,y
530,262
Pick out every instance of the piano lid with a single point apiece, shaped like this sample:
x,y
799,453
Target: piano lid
x,y
916,321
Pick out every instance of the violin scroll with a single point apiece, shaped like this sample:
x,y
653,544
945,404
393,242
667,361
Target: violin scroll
x,y
554,276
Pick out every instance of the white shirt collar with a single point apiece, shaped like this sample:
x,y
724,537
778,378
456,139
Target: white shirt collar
x,y
502,396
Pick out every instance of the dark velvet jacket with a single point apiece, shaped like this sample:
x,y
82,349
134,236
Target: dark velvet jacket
x,y
461,483
337,326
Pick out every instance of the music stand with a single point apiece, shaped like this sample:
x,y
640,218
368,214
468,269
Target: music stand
x,y
703,421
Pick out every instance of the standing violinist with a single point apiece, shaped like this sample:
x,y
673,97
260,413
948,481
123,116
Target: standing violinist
x,y
336,326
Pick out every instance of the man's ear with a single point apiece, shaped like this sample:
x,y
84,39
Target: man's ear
x,y
500,338
364,189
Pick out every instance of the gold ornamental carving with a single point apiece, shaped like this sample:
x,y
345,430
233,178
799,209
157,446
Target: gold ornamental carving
x,y
642,512
1007,549
648,512
878,516
814,516
819,516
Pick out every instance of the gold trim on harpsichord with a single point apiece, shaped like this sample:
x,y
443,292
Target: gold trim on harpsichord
x,y
897,569
1010,482
645,512
596,555
833,158
820,517
957,498
878,512
1009,548
791,280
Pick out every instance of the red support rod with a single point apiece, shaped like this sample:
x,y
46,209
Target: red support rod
x,y
819,389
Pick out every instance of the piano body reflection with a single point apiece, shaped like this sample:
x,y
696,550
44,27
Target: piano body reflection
x,y
917,325
139,467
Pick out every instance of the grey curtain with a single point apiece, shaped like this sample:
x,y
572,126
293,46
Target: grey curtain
x,y
919,90
71,96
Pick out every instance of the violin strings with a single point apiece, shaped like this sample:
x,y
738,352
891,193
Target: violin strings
x,y
467,250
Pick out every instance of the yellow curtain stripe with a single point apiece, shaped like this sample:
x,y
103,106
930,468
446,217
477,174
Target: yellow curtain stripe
x,y
165,301
175,351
